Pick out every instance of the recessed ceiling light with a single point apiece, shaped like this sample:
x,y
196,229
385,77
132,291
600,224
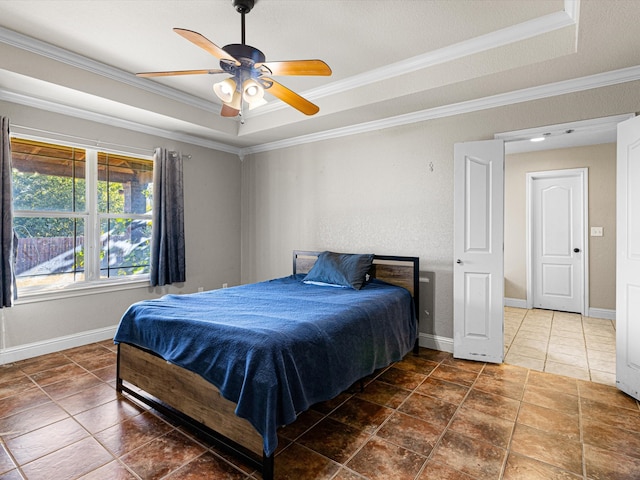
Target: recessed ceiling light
x,y
541,137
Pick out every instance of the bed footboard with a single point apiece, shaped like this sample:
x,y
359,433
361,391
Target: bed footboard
x,y
192,400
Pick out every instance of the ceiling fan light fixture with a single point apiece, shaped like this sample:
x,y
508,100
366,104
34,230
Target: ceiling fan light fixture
x,y
250,73
225,90
236,101
253,93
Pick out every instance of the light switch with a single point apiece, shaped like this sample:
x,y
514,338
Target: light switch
x,y
597,232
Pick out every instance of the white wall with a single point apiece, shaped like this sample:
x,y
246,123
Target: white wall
x,y
375,192
212,233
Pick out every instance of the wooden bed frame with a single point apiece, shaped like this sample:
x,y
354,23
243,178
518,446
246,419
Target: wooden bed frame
x,y
188,398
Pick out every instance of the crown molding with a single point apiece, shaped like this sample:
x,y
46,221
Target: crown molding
x,y
510,98
505,36
478,44
56,107
605,79
58,54
572,7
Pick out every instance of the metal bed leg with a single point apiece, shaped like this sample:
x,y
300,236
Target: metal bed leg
x,y
118,378
267,466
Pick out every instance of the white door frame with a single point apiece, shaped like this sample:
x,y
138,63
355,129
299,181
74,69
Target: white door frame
x,y
583,174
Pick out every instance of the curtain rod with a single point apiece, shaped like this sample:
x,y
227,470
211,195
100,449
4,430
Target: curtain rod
x,y
173,153
92,142
88,142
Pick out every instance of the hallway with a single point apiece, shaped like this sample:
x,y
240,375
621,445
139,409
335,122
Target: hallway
x,y
561,343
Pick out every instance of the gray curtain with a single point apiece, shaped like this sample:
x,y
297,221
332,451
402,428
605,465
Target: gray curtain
x,y
167,238
8,289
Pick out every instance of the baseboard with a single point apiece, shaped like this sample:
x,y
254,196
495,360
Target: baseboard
x,y
435,342
30,350
604,313
515,302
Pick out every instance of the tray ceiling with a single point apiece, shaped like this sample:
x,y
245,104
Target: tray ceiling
x,y
392,60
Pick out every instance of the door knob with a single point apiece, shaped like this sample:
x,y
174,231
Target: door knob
x,y
576,250
458,261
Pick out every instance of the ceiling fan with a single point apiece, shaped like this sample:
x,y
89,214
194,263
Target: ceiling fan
x,y
250,73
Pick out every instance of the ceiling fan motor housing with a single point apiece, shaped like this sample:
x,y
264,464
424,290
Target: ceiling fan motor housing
x,y
247,55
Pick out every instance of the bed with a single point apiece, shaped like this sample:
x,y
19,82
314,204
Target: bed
x,y
238,363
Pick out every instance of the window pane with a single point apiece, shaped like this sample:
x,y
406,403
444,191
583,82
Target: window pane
x,y
124,184
47,177
126,246
50,251
50,183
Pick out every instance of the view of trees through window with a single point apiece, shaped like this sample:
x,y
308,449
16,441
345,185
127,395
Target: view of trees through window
x,y
79,214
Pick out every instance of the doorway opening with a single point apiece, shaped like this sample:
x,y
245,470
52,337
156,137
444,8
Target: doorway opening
x,y
594,134
591,144
557,241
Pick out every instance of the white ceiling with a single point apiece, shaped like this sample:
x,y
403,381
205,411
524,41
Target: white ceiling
x,y
393,61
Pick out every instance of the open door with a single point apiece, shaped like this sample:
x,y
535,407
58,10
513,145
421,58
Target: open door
x,y
478,269
628,259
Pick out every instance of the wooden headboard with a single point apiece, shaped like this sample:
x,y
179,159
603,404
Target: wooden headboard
x,y
397,270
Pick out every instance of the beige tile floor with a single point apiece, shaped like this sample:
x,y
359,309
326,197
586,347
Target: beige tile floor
x,y
561,343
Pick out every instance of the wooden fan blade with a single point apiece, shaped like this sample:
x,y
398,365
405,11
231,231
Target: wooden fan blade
x,y
206,44
179,72
289,96
228,111
297,67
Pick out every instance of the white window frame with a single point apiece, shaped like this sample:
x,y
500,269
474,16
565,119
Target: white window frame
x,y
92,219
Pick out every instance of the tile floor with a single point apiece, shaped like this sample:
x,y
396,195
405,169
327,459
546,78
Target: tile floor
x,y
426,417
560,342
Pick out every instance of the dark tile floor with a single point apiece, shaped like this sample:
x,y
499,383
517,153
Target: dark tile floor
x,y
427,417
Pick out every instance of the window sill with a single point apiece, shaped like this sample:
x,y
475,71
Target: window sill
x,y
88,288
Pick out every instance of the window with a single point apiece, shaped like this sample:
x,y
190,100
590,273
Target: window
x,y
82,216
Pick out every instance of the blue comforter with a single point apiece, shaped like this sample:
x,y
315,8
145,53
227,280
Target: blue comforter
x,y
277,347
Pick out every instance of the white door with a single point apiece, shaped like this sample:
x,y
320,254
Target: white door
x,y
557,232
628,259
478,269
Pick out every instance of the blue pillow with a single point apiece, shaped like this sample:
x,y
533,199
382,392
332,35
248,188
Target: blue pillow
x,y
340,270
